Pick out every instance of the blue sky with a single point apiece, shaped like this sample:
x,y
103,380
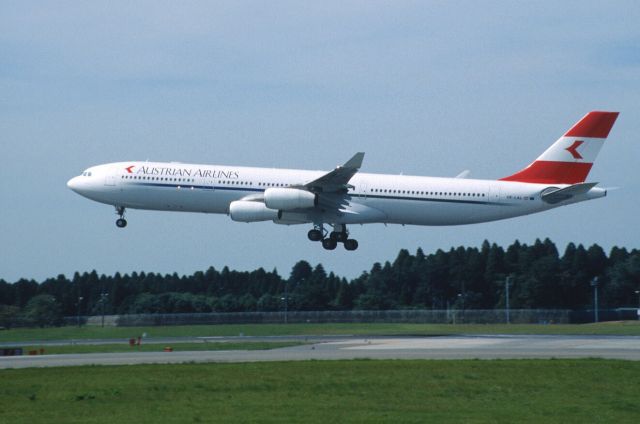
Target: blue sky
x,y
426,88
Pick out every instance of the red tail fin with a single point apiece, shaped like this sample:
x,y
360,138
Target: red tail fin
x,y
570,158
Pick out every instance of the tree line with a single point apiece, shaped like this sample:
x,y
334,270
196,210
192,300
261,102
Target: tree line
x,y
461,278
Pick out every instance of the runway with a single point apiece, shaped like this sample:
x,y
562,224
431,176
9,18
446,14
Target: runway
x,y
352,347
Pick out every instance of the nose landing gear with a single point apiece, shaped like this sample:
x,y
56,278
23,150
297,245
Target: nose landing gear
x,y
120,222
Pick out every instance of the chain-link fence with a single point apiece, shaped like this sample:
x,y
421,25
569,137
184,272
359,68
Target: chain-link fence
x,y
451,316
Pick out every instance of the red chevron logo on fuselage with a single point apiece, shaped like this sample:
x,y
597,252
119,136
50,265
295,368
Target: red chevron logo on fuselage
x,y
573,149
128,168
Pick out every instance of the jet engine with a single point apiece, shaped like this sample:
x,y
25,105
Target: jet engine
x,y
247,211
289,198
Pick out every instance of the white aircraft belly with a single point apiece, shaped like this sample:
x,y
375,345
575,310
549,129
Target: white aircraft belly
x,y
434,211
183,198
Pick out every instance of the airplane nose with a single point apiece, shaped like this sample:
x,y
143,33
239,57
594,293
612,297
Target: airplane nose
x,y
73,183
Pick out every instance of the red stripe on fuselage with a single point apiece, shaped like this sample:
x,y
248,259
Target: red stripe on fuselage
x,y
547,172
594,124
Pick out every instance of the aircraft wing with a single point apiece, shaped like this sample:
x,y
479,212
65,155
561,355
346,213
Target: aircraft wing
x,y
338,179
558,195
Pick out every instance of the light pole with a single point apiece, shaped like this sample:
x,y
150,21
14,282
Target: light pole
x,y
594,284
79,303
103,300
507,283
638,311
286,302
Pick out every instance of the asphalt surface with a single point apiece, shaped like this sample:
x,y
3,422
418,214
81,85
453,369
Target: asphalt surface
x,y
357,347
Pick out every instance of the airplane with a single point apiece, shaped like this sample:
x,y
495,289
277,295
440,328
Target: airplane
x,y
345,196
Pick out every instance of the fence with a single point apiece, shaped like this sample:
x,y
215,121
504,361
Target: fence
x,y
492,316
619,314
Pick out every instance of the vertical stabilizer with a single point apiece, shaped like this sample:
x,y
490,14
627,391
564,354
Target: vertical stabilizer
x,y
569,160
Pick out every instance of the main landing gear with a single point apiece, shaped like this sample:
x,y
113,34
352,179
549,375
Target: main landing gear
x,y
120,222
338,235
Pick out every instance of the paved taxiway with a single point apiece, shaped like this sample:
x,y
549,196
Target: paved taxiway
x,y
351,347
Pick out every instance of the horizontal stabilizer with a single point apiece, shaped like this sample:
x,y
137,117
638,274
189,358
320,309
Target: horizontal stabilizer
x,y
554,195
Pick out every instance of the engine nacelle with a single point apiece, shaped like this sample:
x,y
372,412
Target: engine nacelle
x,y
292,218
247,211
289,198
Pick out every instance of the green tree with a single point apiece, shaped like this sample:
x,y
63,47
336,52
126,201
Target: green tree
x,y
269,303
43,311
344,297
624,280
9,316
312,291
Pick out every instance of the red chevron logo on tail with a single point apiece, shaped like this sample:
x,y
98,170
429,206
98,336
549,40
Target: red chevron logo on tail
x,y
573,149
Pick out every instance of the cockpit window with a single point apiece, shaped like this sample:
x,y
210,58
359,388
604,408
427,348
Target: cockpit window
x,y
86,174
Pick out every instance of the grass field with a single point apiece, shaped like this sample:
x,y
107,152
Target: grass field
x,y
523,391
123,347
606,328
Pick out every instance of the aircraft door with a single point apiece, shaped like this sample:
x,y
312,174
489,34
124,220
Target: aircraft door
x,y
110,180
363,188
494,193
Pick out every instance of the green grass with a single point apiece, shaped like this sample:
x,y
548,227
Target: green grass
x,y
523,391
607,328
148,347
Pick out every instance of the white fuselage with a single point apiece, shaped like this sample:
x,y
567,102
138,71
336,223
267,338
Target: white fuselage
x,y
373,198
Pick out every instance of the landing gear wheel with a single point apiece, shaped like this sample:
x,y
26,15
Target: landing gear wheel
x,y
338,236
120,222
329,243
351,244
314,235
